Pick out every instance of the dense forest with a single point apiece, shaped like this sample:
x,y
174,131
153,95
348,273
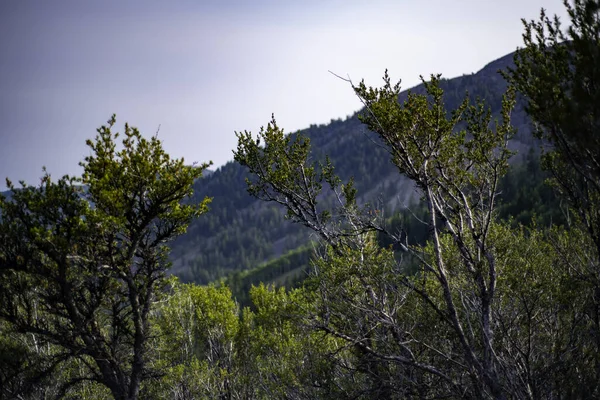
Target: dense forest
x,y
441,243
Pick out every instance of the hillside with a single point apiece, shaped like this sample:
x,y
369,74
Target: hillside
x,y
240,233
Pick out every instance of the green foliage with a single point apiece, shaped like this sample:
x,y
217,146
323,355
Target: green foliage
x,y
196,329
557,71
424,143
287,359
287,270
205,348
285,176
82,260
487,303
457,172
237,234
139,181
526,197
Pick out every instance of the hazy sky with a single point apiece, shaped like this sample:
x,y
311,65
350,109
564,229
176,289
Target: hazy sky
x,y
204,69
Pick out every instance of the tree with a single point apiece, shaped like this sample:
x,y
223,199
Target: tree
x,y
457,172
282,357
82,260
558,73
207,348
195,344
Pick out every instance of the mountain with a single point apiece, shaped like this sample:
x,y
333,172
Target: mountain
x,y
240,233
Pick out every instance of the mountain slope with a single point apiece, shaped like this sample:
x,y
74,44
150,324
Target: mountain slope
x,y
240,233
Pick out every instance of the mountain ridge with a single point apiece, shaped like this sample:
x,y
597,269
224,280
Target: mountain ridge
x,y
240,232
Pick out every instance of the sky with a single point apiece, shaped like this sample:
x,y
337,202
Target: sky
x,y
201,70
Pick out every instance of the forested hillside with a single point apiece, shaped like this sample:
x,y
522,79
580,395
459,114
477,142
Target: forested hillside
x,y
241,233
